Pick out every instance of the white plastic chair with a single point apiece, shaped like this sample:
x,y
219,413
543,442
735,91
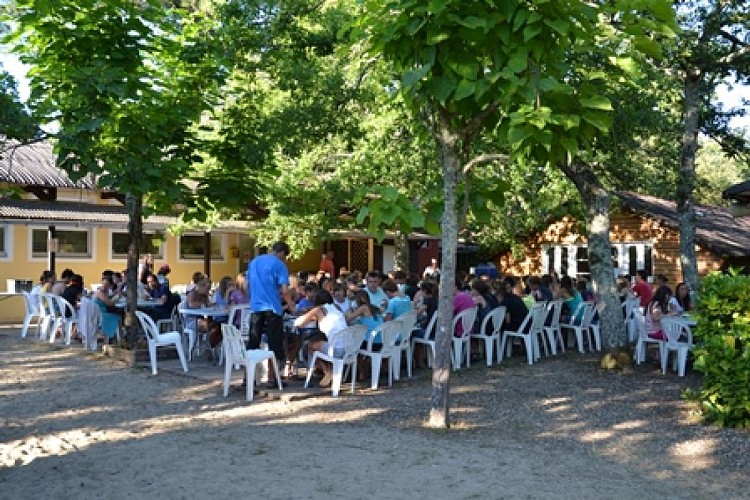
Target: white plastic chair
x,y
490,342
89,322
239,313
48,316
631,327
675,330
390,330
462,344
429,338
585,311
33,311
534,323
157,339
170,324
237,356
553,330
408,320
643,338
353,337
62,320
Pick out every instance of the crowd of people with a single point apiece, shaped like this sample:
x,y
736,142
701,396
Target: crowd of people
x,y
326,302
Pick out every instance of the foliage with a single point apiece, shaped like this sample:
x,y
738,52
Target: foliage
x,y
715,171
125,82
15,120
722,351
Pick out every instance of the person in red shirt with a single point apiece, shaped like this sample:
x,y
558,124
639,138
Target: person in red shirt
x,y
642,289
327,265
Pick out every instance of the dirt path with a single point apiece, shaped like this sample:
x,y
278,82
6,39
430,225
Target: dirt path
x,y
76,426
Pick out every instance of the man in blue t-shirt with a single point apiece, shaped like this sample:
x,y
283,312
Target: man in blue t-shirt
x,y
268,281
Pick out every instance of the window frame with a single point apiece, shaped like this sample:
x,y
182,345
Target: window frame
x,y
222,247
159,255
80,256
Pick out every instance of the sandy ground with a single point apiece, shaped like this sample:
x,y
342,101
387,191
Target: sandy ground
x,y
75,425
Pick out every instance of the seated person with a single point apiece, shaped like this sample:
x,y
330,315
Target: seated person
x,y
331,322
398,302
306,303
110,319
485,302
162,297
364,313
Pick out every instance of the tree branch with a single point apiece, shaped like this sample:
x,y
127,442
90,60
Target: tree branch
x,y
483,158
478,120
732,57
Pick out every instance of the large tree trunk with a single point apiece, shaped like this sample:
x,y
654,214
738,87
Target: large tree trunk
x,y
134,205
449,159
401,251
686,180
596,200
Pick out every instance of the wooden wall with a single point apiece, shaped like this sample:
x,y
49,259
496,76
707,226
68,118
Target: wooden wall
x,y
624,227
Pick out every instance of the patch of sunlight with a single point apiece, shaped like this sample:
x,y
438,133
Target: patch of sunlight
x,y
590,437
631,424
556,405
66,414
695,454
573,428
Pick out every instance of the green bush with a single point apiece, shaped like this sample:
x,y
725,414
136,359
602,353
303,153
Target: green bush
x,y
722,351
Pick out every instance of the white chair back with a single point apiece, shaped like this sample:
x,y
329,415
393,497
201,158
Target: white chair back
x,y
353,337
408,320
233,345
497,316
554,309
467,317
148,325
90,317
674,329
240,315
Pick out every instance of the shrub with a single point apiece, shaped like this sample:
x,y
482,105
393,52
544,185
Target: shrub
x,y
722,351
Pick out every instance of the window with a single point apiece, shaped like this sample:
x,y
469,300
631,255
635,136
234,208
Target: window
x,y
582,261
4,243
120,242
626,259
192,247
74,243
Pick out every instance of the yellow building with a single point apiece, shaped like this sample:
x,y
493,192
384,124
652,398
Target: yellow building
x,y
42,210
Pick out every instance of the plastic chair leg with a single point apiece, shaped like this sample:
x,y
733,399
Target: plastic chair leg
x,y
376,360
152,355
181,354
276,371
489,349
338,372
227,378
250,370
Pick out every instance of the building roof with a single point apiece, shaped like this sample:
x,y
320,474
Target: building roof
x,y
738,192
71,213
34,165
715,227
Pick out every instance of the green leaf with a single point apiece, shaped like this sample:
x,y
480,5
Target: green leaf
x,y
598,120
410,78
596,102
519,61
531,31
464,89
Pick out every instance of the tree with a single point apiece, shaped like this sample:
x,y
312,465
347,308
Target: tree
x,y
126,82
712,47
468,67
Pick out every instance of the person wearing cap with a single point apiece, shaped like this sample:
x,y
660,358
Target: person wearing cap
x,y
161,276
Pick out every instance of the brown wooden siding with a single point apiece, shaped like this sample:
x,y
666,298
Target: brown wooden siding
x,y
624,227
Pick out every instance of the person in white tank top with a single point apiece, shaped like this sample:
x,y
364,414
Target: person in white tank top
x,y
331,322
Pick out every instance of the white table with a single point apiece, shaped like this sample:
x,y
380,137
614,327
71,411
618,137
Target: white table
x,y
201,312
